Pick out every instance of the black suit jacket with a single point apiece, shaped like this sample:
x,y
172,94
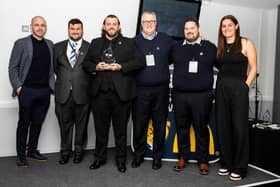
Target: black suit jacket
x,y
127,55
66,76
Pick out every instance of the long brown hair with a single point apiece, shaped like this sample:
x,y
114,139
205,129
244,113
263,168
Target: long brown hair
x,y
103,32
237,47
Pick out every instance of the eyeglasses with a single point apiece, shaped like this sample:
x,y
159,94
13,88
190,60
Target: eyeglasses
x,y
149,21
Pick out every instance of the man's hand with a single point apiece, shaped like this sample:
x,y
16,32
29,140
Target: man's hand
x,y
102,66
115,67
18,90
202,37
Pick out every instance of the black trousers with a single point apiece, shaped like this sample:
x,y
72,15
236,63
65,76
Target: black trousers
x,y
108,107
193,109
33,107
150,103
70,115
232,106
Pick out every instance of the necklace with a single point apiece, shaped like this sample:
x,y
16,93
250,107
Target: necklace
x,y
228,47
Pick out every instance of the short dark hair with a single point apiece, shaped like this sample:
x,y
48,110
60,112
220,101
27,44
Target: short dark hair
x,y
111,16
192,19
74,21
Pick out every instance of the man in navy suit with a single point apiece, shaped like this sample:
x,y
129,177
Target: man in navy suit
x,y
32,78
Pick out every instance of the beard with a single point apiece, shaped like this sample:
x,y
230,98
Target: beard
x,y
111,34
192,38
75,38
39,33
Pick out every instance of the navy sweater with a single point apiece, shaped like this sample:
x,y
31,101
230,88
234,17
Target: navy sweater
x,y
38,75
160,47
205,54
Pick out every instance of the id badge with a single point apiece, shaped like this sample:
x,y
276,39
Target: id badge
x,y
193,66
150,60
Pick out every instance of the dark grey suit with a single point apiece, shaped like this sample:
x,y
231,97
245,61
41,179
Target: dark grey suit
x,y
71,98
20,62
33,101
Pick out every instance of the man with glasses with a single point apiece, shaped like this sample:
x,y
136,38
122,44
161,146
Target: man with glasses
x,y
152,90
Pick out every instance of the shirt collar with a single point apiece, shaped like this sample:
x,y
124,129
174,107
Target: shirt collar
x,y
149,37
198,41
79,42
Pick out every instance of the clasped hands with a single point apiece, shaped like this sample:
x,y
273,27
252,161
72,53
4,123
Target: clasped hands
x,y
103,66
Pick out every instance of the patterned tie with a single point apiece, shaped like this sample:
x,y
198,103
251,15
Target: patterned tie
x,y
73,54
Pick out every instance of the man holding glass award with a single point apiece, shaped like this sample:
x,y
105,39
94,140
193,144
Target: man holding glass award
x,y
112,61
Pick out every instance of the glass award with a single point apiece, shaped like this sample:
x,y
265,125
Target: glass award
x,y
108,56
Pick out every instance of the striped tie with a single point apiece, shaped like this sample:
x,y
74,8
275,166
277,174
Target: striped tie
x,y
73,54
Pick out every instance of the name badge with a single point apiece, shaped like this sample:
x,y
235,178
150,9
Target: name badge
x,y
150,60
193,66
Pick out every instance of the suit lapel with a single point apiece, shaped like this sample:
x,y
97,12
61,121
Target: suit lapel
x,y
64,52
50,46
30,48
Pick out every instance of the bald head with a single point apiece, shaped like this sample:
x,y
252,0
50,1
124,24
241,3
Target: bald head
x,y
35,18
39,27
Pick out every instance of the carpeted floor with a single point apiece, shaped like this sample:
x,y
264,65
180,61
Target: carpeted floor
x,y
51,174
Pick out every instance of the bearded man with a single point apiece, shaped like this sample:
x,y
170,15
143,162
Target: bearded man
x,y
192,95
71,98
32,78
112,61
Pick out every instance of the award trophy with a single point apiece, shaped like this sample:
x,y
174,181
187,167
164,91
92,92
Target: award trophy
x,y
108,56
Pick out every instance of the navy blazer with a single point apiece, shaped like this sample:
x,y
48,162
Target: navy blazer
x,y
20,62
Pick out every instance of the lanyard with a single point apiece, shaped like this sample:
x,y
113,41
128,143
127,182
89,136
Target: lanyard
x,y
73,48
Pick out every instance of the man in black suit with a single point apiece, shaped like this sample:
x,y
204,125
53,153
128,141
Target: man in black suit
x,y
113,59
71,99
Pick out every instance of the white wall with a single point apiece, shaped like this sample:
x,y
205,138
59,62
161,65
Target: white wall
x,y
14,14
267,63
256,24
267,52
260,26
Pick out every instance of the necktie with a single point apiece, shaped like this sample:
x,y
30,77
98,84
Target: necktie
x,y
73,54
